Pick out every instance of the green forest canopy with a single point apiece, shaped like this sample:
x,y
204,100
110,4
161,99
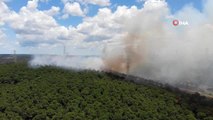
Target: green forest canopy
x,y
55,93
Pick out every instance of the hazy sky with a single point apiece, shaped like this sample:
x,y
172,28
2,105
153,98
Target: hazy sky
x,y
82,26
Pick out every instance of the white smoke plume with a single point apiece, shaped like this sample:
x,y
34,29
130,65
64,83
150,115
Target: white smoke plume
x,y
156,49
68,62
152,47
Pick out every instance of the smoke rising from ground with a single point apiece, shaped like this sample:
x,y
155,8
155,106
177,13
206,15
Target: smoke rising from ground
x,y
73,62
151,47
155,49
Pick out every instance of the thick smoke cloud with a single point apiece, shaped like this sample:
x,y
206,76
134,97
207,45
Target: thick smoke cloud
x,y
155,49
152,47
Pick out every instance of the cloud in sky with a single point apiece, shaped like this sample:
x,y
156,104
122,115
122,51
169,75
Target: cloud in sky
x,y
97,2
53,11
73,9
35,27
93,2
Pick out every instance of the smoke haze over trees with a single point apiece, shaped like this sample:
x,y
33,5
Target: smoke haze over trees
x,y
148,45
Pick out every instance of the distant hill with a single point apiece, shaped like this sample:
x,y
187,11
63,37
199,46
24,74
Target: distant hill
x,y
54,93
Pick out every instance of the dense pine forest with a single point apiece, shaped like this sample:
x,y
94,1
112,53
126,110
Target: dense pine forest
x,y
60,94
